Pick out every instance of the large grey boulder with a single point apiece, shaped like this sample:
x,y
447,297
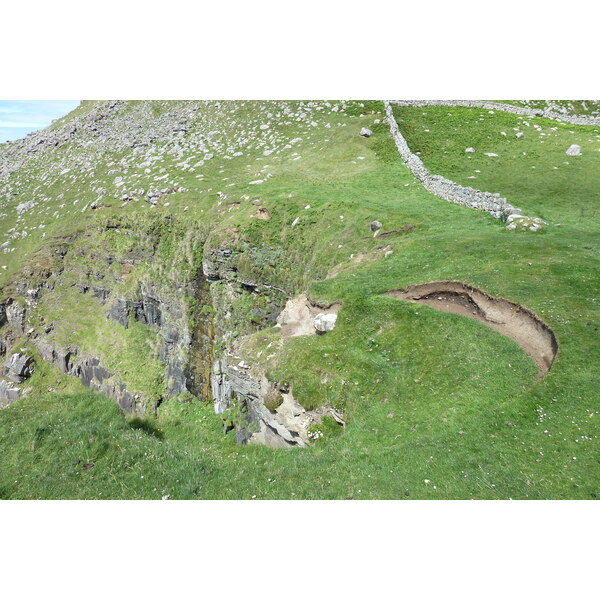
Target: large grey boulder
x,y
325,322
364,132
19,367
574,150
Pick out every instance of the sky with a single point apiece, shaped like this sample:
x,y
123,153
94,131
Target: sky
x,y
19,117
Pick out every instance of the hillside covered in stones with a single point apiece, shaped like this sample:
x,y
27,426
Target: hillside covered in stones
x,y
207,276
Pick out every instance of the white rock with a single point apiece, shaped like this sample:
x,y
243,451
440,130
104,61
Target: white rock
x,y
574,150
366,132
325,322
512,217
469,149
25,206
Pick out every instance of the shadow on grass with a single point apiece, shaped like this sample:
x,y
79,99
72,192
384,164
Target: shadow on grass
x,y
146,426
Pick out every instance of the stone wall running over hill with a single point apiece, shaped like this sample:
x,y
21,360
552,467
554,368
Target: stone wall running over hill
x,y
517,110
444,188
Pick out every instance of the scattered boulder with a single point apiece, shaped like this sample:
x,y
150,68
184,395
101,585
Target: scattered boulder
x,y
520,135
263,213
325,322
469,149
375,227
364,132
522,223
574,150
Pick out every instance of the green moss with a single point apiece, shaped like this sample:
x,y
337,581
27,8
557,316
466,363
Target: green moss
x,y
273,400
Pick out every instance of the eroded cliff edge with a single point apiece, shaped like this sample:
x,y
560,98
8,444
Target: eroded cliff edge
x,y
90,304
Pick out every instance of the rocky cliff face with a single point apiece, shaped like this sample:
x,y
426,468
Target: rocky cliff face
x,y
260,412
161,305
124,280
68,359
168,316
190,317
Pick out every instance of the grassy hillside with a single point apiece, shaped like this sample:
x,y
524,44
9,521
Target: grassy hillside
x,y
437,406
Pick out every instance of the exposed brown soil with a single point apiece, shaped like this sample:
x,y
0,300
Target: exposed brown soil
x,y
510,319
298,315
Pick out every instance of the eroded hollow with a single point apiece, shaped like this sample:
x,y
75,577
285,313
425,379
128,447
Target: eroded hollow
x,y
505,317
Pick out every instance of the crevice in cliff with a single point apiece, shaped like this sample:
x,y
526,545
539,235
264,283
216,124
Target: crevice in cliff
x,y
200,358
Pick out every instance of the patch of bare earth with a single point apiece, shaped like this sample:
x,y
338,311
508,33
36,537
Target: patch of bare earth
x,y
298,316
505,317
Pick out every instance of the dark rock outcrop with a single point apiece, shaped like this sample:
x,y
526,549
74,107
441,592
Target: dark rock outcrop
x,y
119,312
100,294
94,376
19,367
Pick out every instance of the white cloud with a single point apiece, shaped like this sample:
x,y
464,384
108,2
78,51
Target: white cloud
x,y
20,117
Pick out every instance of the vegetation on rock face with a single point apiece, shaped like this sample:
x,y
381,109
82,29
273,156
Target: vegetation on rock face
x,y
436,405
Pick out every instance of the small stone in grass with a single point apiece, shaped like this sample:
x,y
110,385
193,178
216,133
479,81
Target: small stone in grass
x,y
376,226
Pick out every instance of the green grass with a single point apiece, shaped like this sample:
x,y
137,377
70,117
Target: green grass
x,y
437,406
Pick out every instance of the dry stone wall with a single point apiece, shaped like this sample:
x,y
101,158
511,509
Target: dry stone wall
x,y
444,188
